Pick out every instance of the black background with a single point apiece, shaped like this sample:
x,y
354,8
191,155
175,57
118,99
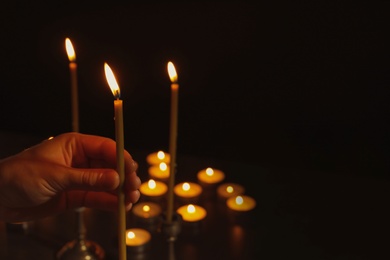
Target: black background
x,y
291,85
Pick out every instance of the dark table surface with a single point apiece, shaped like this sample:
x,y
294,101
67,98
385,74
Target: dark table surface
x,y
299,214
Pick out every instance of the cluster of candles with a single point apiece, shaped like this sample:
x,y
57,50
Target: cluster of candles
x,y
161,171
154,190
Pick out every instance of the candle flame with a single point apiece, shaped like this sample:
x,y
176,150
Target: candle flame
x,y
191,208
151,184
229,189
160,155
131,235
146,208
209,171
239,200
163,166
185,186
113,84
70,50
172,72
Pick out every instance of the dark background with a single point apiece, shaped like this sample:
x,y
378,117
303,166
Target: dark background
x,y
302,86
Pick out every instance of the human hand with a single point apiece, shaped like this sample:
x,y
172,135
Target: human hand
x,y
69,171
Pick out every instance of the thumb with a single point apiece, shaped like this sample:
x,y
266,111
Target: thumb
x,y
90,179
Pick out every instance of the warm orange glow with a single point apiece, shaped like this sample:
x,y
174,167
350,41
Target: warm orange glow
x,y
131,235
186,186
209,171
70,50
229,189
146,208
160,155
239,200
163,166
152,184
112,81
191,208
172,72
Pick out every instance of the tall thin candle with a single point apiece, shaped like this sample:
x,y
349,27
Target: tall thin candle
x,y
172,138
74,87
119,136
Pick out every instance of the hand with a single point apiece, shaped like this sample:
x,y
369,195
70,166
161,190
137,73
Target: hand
x,y
69,171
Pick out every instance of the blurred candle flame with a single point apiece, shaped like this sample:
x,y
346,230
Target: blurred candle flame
x,y
70,50
160,155
186,186
163,166
190,208
151,184
172,72
112,81
209,171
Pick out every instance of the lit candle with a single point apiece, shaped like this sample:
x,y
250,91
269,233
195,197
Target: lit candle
x,y
73,82
119,136
172,138
188,190
153,188
210,176
241,203
192,213
146,210
227,190
158,157
159,171
137,239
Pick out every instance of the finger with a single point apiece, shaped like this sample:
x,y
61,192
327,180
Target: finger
x,y
87,179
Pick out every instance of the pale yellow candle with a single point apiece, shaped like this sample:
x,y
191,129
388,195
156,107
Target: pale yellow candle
x,y
158,157
192,213
172,138
241,203
73,83
153,188
159,171
188,190
119,136
211,176
227,190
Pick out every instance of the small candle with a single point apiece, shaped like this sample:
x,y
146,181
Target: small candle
x,y
158,157
153,188
192,213
146,210
119,137
159,171
227,190
188,190
241,203
210,176
73,82
137,239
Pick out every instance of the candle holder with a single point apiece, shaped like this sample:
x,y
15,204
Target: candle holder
x,y
171,230
80,248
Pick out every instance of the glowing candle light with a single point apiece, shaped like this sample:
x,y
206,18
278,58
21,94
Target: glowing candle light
x,y
158,157
227,190
119,136
153,188
241,203
160,171
146,210
73,83
172,138
192,213
188,190
210,176
137,239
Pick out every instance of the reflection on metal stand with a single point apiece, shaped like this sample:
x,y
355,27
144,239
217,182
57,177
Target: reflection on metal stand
x,y
171,232
80,248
